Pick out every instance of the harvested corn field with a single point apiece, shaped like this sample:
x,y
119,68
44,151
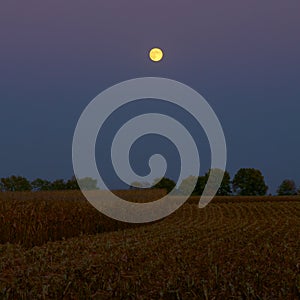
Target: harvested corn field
x,y
228,250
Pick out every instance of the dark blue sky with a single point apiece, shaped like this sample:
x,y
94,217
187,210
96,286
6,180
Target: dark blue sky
x,y
242,56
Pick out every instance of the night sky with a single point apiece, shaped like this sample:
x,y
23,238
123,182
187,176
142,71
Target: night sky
x,y
243,57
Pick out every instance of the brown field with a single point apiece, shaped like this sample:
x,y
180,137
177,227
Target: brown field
x,y
33,218
54,245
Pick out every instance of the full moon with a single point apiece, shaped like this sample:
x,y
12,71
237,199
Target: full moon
x,y
156,54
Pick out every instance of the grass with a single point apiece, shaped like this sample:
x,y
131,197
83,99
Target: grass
x,y
234,248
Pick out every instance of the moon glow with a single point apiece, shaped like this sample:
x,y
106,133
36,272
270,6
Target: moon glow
x,y
156,54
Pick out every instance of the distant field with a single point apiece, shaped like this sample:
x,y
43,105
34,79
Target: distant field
x,y
234,248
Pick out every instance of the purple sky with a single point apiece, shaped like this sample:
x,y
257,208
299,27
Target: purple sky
x,y
242,56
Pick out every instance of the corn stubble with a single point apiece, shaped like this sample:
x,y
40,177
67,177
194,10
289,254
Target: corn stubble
x,y
56,246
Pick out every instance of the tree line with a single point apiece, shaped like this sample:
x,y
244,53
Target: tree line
x,y
20,183
247,181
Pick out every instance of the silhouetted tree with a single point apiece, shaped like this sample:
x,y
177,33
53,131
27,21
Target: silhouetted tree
x,y
88,183
72,184
41,185
200,185
225,188
249,181
287,187
58,185
187,184
164,183
15,183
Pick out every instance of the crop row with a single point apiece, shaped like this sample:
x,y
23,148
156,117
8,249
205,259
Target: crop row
x,y
244,250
